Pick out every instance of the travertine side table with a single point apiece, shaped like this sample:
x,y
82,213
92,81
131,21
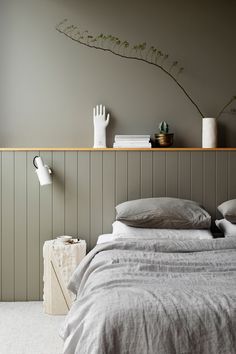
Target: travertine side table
x,y
60,261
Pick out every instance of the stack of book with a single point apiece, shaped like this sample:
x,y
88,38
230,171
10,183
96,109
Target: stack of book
x,y
132,141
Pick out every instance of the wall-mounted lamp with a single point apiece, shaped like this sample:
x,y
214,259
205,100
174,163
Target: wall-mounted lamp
x,y
44,173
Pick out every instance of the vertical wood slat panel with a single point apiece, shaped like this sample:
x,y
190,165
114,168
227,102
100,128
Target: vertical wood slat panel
x,y
58,203
1,226
146,174
184,177
221,178
8,241
232,175
84,196
197,176
134,171
172,174
71,194
209,185
108,191
96,197
121,177
33,245
20,226
45,216
159,174
29,218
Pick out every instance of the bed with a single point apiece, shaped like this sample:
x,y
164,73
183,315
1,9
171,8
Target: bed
x,y
152,295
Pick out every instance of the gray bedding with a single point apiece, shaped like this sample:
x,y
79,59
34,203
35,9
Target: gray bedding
x,y
154,297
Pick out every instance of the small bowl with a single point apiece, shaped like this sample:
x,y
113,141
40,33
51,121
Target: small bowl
x,y
64,238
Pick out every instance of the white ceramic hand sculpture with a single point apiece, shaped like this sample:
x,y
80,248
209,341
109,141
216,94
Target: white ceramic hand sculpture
x,y
100,123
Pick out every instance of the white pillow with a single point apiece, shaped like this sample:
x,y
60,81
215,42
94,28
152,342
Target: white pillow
x,y
124,231
226,227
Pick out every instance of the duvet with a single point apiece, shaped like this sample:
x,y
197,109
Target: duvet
x,y
154,297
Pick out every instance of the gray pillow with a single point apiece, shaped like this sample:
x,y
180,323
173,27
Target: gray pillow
x,y
228,210
163,213
226,227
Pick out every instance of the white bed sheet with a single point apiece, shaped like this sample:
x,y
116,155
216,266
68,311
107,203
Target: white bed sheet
x,y
105,238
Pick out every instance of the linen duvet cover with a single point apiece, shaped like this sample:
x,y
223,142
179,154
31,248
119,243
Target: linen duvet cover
x,y
154,297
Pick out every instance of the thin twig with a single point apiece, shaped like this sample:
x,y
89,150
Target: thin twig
x,y
139,59
225,106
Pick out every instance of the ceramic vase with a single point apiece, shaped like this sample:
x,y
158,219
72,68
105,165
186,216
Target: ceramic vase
x,y
209,132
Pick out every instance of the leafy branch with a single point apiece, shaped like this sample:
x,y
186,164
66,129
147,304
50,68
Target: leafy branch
x,y
140,52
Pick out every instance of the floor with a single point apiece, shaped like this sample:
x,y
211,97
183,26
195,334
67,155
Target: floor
x,y
25,329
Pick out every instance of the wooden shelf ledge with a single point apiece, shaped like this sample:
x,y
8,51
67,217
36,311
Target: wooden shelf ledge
x,y
114,149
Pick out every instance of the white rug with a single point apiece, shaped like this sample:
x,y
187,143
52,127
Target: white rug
x,y
25,329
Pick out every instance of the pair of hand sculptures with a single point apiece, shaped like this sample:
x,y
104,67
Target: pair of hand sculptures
x,y
100,122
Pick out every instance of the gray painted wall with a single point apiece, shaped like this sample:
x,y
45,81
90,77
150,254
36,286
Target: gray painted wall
x,y
86,187
49,84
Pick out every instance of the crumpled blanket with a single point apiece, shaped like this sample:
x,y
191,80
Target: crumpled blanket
x,y
154,297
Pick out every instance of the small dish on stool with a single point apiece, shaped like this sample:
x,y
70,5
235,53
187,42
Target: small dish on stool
x,y
64,238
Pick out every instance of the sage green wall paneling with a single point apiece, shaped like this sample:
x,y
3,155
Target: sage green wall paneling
x,y
209,182
221,179
146,174
46,215
94,181
232,175
172,174
8,229
96,212
197,176
71,197
159,174
33,227
108,190
134,175
121,177
184,177
84,196
1,227
58,192
21,226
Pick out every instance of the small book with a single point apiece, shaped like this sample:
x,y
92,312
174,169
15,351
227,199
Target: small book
x,y
132,138
127,144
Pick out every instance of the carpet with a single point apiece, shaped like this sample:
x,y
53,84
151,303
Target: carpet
x,y
25,329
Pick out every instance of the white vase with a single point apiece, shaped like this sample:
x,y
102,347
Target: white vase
x,y
209,132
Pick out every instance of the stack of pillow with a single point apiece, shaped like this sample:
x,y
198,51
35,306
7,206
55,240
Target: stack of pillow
x,y
228,224
162,218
